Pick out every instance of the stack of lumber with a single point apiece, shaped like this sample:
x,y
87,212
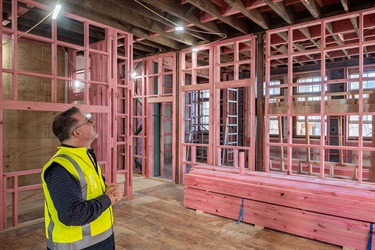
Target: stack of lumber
x,y
331,211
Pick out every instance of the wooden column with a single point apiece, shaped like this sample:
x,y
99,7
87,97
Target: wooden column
x,y
372,169
176,169
259,161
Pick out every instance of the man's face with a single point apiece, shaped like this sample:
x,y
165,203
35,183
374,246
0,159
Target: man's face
x,y
85,127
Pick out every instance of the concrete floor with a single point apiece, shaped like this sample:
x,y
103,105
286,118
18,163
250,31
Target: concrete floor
x,y
155,218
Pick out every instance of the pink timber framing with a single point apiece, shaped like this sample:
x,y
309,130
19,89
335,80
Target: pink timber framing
x,y
321,210
155,81
321,199
140,116
329,106
197,76
107,91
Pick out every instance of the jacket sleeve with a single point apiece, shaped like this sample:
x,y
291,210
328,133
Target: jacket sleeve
x,y
66,195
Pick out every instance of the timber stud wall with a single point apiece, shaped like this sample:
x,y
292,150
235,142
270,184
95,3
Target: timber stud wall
x,y
300,193
43,74
212,74
339,42
306,194
155,85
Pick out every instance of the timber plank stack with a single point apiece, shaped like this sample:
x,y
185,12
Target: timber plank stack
x,y
331,211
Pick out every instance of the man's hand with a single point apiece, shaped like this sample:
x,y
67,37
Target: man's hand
x,y
114,192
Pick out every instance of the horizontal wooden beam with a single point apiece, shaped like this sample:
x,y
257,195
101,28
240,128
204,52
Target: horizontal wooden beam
x,y
212,9
253,14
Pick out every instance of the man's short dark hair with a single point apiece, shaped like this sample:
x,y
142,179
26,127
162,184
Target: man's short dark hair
x,y
63,123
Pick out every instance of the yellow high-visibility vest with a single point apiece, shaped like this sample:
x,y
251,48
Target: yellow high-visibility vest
x,y
59,236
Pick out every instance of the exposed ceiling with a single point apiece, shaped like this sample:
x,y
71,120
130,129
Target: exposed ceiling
x,y
153,22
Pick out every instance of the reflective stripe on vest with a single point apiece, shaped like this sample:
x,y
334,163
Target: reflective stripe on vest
x,y
85,242
80,173
87,239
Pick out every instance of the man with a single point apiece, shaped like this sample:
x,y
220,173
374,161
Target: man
x,y
78,204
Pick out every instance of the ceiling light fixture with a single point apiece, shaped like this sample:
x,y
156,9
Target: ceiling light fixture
x,y
179,28
195,49
6,22
56,11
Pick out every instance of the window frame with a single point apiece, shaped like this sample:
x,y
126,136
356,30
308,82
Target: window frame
x,y
307,80
353,73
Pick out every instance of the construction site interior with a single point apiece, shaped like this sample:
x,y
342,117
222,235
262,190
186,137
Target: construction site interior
x,y
279,124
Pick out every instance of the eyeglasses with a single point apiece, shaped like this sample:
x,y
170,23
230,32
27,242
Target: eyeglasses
x,y
88,120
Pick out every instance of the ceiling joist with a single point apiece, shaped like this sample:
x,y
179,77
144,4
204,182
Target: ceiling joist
x,y
312,7
252,14
281,10
213,10
153,22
